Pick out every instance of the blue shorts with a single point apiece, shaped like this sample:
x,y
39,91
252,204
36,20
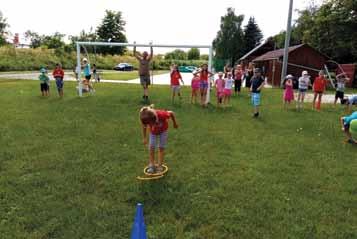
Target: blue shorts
x,y
203,85
59,83
255,99
162,140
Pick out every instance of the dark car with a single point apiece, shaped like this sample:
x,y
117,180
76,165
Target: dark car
x,y
124,67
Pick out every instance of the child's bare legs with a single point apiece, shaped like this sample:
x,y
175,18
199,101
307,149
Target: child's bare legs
x,y
314,100
161,156
203,97
318,106
173,96
152,157
228,100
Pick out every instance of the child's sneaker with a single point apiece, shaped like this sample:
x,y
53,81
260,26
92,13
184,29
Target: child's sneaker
x,y
151,170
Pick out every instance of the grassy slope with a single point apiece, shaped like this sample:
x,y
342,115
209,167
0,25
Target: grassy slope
x,y
68,169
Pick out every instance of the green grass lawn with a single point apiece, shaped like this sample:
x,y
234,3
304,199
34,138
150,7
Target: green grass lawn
x,y
124,75
68,168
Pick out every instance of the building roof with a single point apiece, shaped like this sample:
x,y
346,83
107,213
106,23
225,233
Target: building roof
x,y
263,44
276,54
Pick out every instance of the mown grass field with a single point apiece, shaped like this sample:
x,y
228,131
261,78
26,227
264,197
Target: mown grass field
x,y
68,168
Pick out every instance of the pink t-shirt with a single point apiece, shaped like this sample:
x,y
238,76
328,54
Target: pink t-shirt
x,y
220,85
195,83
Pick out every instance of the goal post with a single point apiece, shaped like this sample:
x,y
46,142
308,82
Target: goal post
x,y
79,44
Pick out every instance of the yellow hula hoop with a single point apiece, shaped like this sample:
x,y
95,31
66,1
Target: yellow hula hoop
x,y
149,178
166,169
153,176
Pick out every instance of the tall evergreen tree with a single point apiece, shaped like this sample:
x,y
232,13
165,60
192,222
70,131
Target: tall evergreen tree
x,y
252,35
229,40
112,30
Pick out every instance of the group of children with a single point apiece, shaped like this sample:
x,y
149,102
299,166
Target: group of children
x,y
318,87
58,75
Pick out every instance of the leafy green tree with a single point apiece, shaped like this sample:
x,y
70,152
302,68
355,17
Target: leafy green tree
x,y
252,35
229,40
3,26
35,39
176,55
193,54
330,28
112,30
83,36
54,41
204,57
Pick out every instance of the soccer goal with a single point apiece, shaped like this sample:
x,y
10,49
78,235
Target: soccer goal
x,y
118,44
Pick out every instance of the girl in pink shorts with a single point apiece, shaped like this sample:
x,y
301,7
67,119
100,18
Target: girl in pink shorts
x,y
219,84
195,86
229,82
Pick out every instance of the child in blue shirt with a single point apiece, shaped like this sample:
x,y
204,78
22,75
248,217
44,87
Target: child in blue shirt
x,y
345,122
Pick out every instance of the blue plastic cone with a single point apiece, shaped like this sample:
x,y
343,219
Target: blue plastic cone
x,y
139,229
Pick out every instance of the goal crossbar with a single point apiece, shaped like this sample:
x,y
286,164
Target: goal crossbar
x,y
80,43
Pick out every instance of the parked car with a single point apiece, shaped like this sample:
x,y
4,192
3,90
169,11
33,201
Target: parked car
x,y
124,67
187,69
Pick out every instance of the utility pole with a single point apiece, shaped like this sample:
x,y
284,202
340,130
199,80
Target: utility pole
x,y
287,43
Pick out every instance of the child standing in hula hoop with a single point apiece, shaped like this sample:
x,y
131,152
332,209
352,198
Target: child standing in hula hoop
x,y
157,122
204,81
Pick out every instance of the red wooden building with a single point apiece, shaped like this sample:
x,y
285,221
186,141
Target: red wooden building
x,y
301,57
266,46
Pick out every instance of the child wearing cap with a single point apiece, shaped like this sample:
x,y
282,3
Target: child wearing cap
x,y
304,83
58,74
319,88
87,74
257,85
44,82
289,91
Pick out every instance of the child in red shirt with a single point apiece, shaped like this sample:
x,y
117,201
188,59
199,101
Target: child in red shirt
x,y
175,82
319,88
204,76
58,74
157,122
